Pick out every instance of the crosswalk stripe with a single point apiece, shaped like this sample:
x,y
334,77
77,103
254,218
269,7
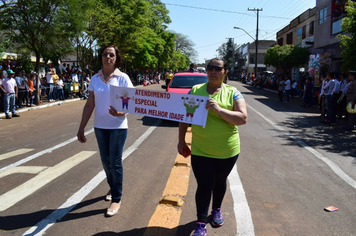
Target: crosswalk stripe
x,y
41,227
15,153
17,194
48,150
23,169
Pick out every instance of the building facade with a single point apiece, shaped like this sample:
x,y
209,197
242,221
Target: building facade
x,y
317,29
246,55
329,14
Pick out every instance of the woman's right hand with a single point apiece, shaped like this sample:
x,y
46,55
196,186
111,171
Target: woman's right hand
x,y
81,137
183,149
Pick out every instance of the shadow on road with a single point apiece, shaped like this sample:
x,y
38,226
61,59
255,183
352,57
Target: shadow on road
x,y
305,124
154,231
20,221
333,139
149,121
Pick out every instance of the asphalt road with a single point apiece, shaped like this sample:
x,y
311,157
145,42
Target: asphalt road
x,y
291,166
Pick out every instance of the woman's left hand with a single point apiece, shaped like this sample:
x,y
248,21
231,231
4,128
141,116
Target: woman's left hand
x,y
114,112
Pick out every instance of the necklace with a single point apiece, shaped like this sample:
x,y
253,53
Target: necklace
x,y
107,78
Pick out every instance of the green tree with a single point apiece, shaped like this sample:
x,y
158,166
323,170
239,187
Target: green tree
x,y
348,39
286,57
40,25
227,51
186,46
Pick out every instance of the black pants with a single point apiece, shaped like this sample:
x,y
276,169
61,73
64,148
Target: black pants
x,y
322,108
23,95
280,95
211,175
335,106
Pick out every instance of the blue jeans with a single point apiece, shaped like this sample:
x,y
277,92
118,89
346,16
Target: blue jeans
x,y
55,92
9,103
329,106
111,146
60,94
50,88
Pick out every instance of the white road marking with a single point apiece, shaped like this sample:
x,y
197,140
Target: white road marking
x,y
23,169
41,227
334,167
19,193
244,224
49,150
14,153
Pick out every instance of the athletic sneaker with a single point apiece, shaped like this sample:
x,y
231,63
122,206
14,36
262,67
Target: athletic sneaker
x,y
200,230
217,217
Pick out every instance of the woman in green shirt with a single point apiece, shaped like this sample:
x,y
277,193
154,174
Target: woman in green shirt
x,y
216,147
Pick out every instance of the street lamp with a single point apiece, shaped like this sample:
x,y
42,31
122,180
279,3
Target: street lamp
x,y
256,43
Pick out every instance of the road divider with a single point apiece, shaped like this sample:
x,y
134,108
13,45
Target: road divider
x,y
167,213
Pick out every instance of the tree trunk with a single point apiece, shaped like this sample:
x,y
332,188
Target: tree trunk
x,y
37,91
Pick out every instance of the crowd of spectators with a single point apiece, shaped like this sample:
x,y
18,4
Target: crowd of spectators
x,y
329,92
60,82
52,84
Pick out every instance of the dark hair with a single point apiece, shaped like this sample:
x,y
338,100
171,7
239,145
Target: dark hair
x,y
118,61
218,59
331,74
352,73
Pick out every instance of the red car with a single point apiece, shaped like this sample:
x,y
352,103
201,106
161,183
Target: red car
x,y
183,82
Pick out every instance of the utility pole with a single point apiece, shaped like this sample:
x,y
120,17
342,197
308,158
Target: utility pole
x,y
256,41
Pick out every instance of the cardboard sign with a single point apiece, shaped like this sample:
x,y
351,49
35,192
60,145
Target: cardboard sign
x,y
184,108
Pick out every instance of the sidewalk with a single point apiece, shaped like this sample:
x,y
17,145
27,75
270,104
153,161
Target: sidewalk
x,y
295,105
45,104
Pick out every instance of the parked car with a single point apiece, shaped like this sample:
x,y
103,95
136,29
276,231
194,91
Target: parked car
x,y
183,82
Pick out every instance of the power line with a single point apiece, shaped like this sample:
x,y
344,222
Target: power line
x,y
226,11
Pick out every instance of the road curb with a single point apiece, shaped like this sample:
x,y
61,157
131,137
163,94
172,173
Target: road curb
x,y
56,103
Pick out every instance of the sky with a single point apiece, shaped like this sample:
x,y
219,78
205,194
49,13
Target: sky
x,y
210,23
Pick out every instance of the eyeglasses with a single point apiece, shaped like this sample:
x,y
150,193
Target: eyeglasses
x,y
111,55
217,68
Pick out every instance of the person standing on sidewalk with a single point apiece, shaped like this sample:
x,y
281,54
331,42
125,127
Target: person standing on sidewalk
x,y
328,91
22,88
169,76
342,99
351,98
110,125
10,90
31,89
288,88
50,85
294,88
281,89
321,100
335,98
216,147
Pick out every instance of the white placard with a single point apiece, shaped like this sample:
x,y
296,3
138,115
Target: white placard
x,y
184,108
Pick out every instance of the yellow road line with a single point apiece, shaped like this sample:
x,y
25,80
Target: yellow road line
x,y
14,153
19,193
166,215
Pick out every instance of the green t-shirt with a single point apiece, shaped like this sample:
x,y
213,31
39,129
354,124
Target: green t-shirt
x,y
219,139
